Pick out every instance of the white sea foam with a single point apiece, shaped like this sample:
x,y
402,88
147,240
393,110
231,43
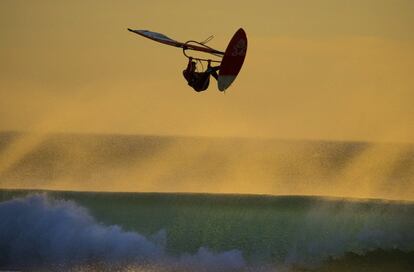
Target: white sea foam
x,y
38,231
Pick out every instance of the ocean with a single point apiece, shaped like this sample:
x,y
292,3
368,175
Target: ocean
x,y
86,202
96,231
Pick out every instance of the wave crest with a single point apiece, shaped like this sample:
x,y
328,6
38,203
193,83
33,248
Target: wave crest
x,y
37,231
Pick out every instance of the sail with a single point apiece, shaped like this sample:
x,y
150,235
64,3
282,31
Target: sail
x,y
158,37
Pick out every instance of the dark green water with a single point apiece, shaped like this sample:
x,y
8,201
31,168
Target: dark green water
x,y
298,231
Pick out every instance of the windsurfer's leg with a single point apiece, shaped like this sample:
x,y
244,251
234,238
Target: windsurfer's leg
x,y
212,70
213,73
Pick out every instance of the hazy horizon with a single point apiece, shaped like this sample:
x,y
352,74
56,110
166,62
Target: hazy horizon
x,y
142,163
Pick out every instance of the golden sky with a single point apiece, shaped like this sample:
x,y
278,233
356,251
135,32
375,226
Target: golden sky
x,y
322,69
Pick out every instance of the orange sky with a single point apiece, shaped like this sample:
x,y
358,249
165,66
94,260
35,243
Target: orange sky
x,y
320,69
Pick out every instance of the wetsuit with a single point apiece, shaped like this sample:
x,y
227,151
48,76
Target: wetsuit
x,y
199,81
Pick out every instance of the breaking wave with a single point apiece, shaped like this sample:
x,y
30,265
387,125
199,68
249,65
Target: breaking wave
x,y
39,231
178,232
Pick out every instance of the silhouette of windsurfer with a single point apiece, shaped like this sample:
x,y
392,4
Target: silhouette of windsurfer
x,y
199,81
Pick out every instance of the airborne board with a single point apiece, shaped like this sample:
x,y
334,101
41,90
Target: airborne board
x,y
233,60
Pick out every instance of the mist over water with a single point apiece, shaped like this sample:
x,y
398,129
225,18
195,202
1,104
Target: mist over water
x,y
215,165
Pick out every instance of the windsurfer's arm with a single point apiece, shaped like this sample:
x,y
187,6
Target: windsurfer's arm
x,y
189,70
191,66
190,60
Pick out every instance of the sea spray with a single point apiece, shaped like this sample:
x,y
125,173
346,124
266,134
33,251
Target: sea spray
x,y
38,231
213,232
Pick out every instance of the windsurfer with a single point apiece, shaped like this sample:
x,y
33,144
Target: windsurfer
x,y
199,81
